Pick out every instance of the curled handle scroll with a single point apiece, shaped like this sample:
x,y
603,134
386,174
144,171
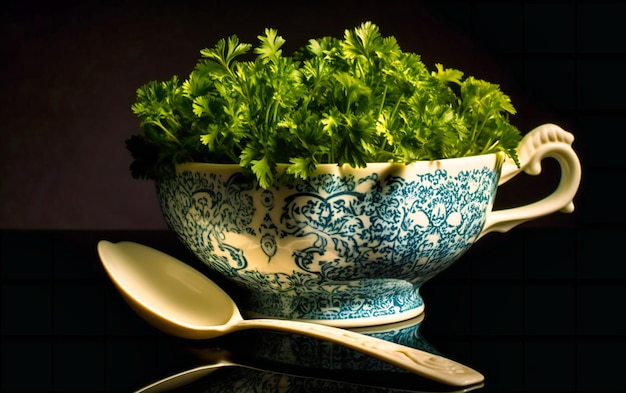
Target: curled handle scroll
x,y
548,140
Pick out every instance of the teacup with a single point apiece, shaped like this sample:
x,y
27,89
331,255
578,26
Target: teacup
x,y
351,247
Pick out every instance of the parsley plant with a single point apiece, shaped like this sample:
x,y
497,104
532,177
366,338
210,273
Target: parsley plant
x,y
352,101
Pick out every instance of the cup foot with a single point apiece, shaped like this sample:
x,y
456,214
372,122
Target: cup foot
x,y
353,322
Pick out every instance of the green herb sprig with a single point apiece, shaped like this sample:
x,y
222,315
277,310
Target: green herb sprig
x,y
354,101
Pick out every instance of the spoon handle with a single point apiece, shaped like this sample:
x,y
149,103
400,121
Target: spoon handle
x,y
435,367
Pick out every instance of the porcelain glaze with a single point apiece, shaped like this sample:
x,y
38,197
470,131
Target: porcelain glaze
x,y
352,246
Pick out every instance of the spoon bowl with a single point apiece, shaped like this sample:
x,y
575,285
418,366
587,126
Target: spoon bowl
x,y
179,300
167,293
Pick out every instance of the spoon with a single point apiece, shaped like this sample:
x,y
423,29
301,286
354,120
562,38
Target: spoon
x,y
179,300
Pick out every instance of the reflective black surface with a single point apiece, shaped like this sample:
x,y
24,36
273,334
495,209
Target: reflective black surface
x,y
548,323
261,361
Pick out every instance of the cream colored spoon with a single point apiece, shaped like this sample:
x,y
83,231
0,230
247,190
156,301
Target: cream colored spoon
x,y
179,300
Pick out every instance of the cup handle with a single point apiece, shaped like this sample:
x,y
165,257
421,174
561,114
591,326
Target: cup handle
x,y
548,140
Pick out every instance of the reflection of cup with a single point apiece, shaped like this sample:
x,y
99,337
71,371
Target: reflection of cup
x,y
404,332
243,380
351,247
305,351
272,361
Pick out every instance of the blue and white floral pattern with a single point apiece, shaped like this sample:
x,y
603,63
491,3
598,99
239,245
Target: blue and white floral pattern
x,y
334,247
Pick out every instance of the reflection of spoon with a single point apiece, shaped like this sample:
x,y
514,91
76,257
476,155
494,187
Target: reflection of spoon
x,y
183,378
250,374
180,300
187,377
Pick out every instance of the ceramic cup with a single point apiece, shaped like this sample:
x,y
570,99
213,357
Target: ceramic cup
x,y
351,247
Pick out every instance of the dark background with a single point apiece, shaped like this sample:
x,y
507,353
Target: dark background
x,y
544,300
69,71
